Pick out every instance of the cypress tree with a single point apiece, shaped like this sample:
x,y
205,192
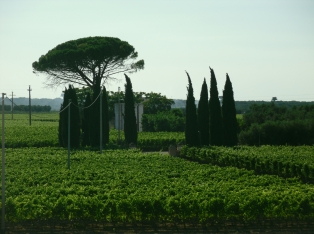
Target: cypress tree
x,y
229,118
75,132
215,118
203,115
95,118
86,121
130,126
191,133
105,117
63,120
60,127
69,93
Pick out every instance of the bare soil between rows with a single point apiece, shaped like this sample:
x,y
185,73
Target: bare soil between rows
x,y
67,227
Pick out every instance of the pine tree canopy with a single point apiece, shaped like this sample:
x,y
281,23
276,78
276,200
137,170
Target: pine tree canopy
x,y
88,61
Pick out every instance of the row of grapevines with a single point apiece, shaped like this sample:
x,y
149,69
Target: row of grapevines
x,y
130,186
284,161
18,133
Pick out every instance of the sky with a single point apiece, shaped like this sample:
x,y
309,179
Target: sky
x,y
266,46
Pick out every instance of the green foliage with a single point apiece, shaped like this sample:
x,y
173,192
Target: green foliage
x,y
44,133
215,118
191,133
283,161
88,61
164,122
259,114
130,126
157,141
35,108
244,106
6,107
86,121
94,121
131,187
155,102
272,124
229,116
203,115
105,117
291,132
69,94
152,102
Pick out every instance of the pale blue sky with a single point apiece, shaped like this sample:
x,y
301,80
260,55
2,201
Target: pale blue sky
x,y
266,47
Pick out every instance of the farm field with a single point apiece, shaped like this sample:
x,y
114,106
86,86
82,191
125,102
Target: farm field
x,y
128,187
43,132
283,161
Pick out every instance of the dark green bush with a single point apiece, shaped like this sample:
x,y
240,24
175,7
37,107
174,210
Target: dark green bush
x,y
169,121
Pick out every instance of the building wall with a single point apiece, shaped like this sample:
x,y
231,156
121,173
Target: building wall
x,y
119,115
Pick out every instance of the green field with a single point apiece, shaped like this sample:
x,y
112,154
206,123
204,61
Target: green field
x,y
43,132
129,186
126,185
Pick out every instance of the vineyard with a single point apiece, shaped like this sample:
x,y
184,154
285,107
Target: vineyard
x,y
283,161
207,187
43,132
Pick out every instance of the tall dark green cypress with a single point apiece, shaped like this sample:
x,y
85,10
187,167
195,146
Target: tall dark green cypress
x,y
191,130
74,119
105,117
75,129
229,115
203,115
95,118
60,126
63,121
86,121
130,126
215,118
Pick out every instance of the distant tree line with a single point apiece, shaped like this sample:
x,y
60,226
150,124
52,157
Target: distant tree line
x,y
25,108
244,106
7,107
273,124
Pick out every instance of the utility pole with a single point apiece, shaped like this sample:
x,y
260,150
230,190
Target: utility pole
x,y
30,105
3,172
100,123
69,134
12,104
119,116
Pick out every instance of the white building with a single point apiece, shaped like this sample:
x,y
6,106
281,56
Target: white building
x,y
119,116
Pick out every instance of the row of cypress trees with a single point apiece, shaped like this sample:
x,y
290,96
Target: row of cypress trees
x,y
85,122
211,124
